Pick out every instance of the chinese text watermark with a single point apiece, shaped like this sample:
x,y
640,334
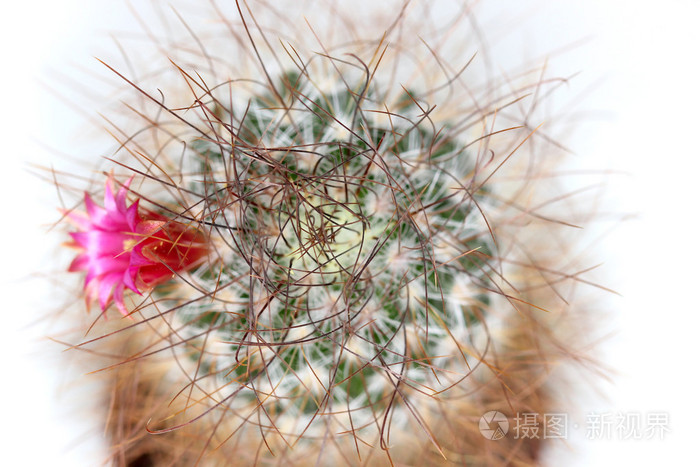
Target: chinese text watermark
x,y
495,425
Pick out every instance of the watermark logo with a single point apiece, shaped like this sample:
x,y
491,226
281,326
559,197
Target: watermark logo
x,y
494,425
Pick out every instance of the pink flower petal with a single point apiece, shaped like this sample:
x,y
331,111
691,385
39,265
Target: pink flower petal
x,y
119,299
121,196
90,290
79,263
101,244
128,279
81,220
110,203
105,288
132,216
95,213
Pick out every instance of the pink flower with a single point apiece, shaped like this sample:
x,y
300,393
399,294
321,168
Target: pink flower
x,y
122,248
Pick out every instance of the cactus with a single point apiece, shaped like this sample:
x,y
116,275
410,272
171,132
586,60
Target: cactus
x,y
339,276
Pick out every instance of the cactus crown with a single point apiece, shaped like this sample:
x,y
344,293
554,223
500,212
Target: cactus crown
x,y
354,257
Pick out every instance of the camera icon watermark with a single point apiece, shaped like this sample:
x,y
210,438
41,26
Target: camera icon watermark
x,y
494,425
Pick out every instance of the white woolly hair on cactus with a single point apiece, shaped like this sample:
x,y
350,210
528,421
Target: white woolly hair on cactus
x,y
332,242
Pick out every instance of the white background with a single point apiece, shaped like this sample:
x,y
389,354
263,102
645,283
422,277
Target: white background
x,y
641,58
